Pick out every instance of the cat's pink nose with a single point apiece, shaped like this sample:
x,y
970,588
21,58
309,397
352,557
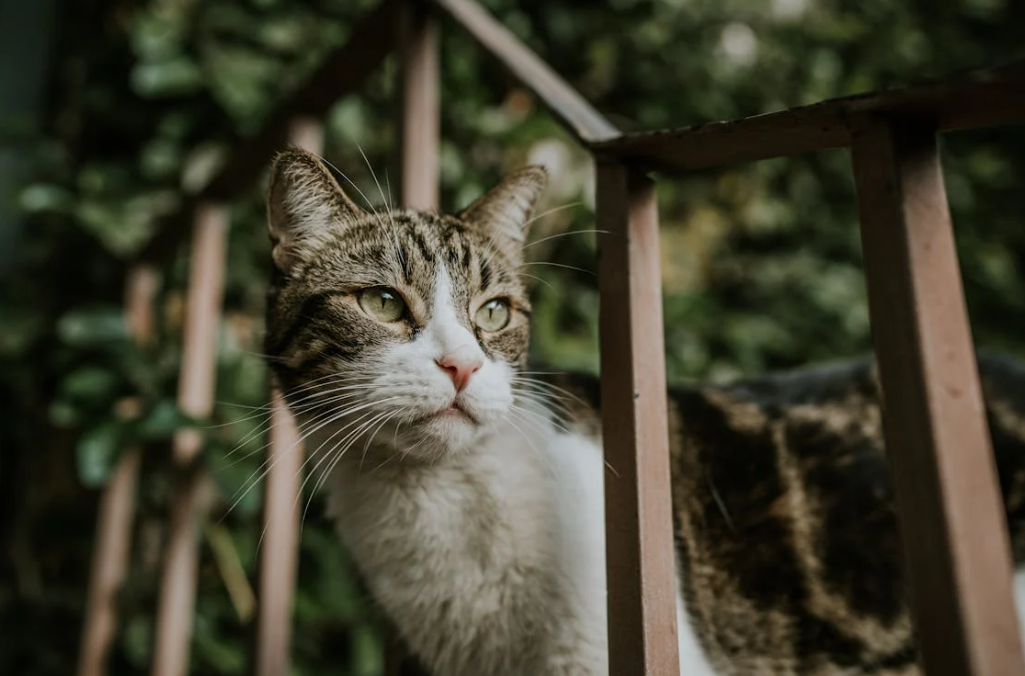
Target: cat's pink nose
x,y
461,364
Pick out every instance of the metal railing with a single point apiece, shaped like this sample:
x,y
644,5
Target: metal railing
x,y
956,544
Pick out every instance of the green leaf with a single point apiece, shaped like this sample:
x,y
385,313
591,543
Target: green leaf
x,y
64,414
367,651
237,476
165,79
89,383
137,639
102,325
42,197
123,225
21,326
97,452
163,420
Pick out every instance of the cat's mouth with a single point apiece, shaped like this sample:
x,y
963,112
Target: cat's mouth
x,y
454,412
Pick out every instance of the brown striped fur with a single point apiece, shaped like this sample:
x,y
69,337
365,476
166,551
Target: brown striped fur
x,y
785,523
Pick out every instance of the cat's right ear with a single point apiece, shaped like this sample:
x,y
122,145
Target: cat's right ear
x,y
504,211
304,204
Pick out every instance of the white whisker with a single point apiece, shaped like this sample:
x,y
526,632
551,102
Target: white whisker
x,y
559,265
542,280
538,217
358,425
565,234
391,218
304,434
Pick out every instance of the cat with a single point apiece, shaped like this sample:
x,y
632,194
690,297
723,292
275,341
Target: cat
x,y
470,491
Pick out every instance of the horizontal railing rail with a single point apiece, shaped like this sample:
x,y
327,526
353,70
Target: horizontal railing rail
x,y
983,98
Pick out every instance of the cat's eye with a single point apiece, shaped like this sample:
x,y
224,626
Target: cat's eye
x,y
383,304
493,315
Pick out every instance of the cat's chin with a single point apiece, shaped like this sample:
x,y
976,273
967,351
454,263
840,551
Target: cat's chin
x,y
452,430
448,432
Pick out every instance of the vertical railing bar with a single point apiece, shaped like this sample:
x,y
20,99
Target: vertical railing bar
x,y
419,127
938,445
635,429
279,554
176,604
115,516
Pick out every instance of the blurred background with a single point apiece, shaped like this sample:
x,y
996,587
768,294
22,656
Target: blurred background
x,y
113,111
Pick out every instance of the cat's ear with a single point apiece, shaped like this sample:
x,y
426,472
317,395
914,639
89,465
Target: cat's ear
x,y
304,204
504,211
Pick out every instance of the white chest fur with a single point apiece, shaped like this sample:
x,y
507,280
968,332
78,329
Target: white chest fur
x,y
492,562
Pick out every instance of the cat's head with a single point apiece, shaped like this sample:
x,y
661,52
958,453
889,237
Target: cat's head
x,y
406,323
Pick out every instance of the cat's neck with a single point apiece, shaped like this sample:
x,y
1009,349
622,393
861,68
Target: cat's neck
x,y
488,528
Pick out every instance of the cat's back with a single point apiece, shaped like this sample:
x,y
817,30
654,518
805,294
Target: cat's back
x,y
786,529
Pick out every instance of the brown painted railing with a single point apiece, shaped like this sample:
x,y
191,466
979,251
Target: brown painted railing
x,y
956,544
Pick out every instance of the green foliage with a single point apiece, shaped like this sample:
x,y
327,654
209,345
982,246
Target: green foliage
x,y
761,264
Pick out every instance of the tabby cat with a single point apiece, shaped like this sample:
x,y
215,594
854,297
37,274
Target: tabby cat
x,y
469,491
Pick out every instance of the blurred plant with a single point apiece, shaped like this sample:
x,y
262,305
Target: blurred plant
x,y
761,263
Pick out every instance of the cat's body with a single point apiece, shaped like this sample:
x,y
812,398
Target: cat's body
x,y
470,493
786,531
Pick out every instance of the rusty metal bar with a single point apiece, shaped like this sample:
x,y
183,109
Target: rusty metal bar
x,y
112,547
638,504
570,108
279,555
199,351
979,99
952,518
307,133
420,125
176,605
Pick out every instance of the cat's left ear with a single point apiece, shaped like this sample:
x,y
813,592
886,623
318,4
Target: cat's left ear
x,y
504,211
304,206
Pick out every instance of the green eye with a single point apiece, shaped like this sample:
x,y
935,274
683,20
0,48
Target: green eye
x,y
383,304
493,315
